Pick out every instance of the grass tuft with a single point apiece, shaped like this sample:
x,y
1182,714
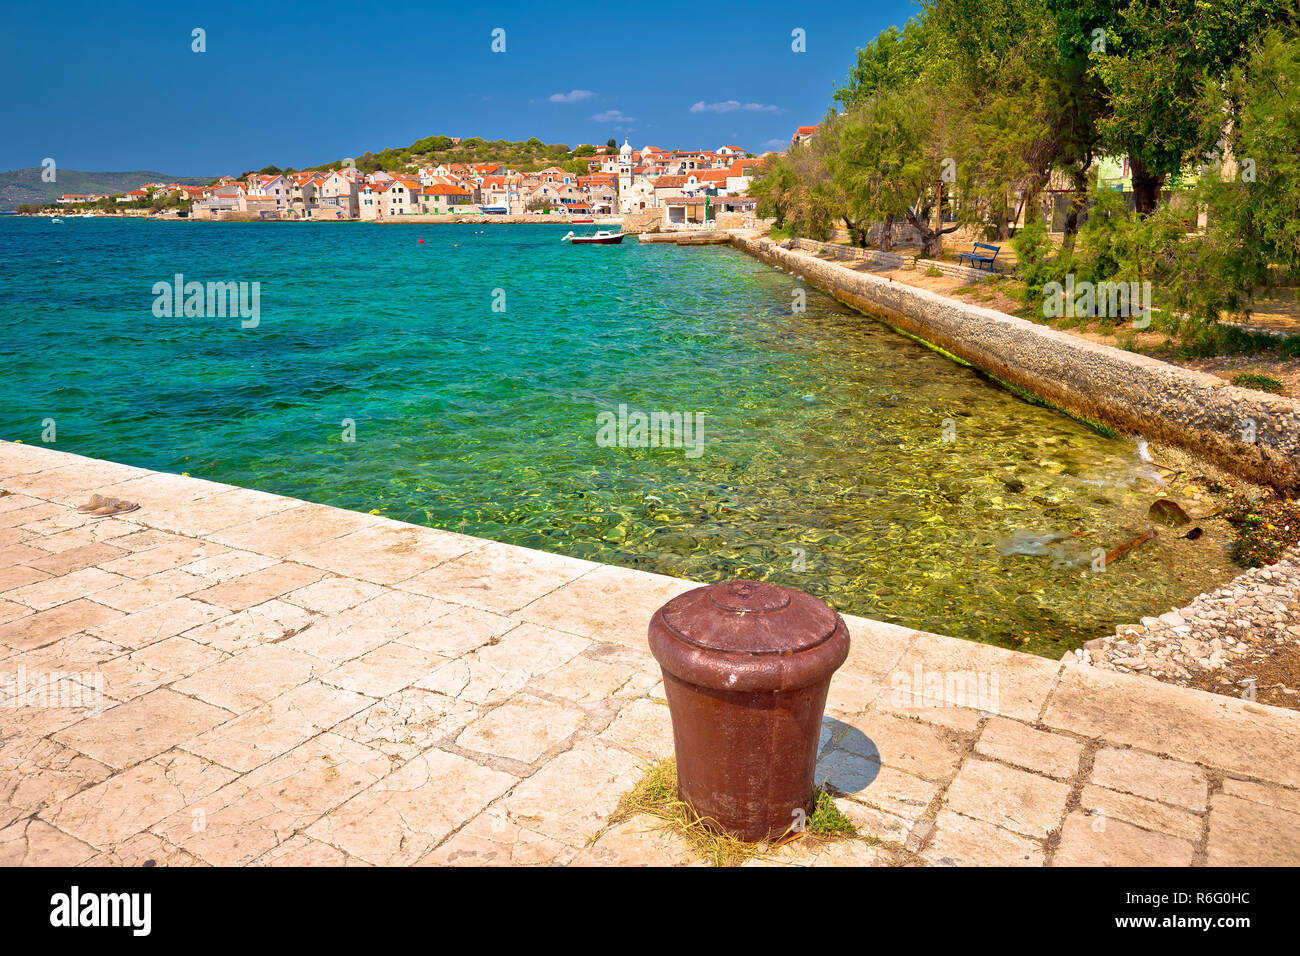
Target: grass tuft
x,y
655,795
827,820
1262,383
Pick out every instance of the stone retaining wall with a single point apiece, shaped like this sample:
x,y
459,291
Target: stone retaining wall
x,y
642,221
691,237
1251,434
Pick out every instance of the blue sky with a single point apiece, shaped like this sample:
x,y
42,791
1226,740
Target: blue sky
x,y
116,86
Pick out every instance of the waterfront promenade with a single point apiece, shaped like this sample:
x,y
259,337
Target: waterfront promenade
x,y
288,683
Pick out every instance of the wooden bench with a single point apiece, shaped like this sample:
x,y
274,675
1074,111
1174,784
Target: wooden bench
x,y
977,259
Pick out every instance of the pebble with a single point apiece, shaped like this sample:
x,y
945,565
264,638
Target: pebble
x,y
1254,612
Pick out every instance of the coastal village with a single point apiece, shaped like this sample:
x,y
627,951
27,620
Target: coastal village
x,y
683,186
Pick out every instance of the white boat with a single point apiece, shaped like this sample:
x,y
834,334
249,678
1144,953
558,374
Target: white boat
x,y
602,237
55,220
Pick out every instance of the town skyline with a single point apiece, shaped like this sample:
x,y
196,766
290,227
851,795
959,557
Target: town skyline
x,y
687,187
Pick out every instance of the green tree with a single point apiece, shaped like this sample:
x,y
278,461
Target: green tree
x,y
775,188
896,58
1252,195
1154,67
894,152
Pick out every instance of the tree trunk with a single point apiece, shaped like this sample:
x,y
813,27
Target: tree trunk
x,y
931,244
1015,220
1077,203
887,234
931,239
857,233
1146,188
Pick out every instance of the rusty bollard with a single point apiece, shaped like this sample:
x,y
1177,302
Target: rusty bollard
x,y
746,668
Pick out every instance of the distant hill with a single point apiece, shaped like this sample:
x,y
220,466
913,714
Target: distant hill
x,y
526,155
25,185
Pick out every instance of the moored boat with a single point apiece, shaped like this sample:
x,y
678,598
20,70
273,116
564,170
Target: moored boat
x,y
602,237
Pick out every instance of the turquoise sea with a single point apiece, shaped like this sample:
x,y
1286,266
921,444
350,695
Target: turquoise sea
x,y
838,456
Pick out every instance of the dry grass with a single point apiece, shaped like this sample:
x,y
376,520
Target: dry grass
x,y
655,795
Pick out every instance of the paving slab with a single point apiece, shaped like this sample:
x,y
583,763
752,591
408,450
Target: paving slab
x,y
1096,839
523,728
250,816
401,818
493,839
498,577
958,840
1148,814
1022,802
1254,740
142,728
1246,833
947,671
129,803
1054,755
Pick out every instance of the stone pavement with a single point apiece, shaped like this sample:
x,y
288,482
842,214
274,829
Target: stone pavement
x,y
230,677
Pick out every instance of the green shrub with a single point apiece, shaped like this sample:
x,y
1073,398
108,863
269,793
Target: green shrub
x,y
1262,383
827,820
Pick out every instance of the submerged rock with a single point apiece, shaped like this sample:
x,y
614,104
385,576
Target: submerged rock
x,y
1168,512
1032,543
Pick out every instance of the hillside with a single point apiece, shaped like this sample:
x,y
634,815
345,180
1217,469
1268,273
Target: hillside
x,y
526,155
25,185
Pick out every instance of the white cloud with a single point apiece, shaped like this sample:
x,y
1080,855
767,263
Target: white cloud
x,y
727,106
573,96
613,116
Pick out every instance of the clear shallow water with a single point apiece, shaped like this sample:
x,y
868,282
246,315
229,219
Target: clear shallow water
x,y
825,463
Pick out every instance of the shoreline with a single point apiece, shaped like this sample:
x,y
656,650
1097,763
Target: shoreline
x,y
441,219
